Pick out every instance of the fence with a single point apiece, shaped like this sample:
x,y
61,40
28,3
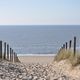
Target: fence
x,y
7,53
65,46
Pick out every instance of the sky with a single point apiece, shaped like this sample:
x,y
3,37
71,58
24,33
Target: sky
x,y
39,12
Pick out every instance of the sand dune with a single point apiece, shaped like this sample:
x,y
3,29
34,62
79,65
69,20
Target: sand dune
x,y
38,68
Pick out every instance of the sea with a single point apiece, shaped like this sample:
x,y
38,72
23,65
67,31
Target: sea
x,y
38,39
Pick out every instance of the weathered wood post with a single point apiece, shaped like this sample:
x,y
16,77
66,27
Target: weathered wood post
x,y
15,57
70,43
66,45
10,53
12,56
7,51
74,46
4,50
1,49
63,46
17,60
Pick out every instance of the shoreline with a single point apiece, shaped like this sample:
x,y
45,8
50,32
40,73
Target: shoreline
x,y
36,55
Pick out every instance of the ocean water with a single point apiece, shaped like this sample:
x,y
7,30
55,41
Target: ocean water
x,y
38,39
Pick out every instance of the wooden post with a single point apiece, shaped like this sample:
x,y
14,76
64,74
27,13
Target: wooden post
x,y
12,56
15,57
17,60
4,50
66,45
10,53
70,43
74,46
7,51
1,49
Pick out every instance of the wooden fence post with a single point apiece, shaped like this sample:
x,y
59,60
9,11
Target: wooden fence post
x,y
15,57
66,45
12,56
74,46
16,60
7,51
1,49
4,50
70,43
10,53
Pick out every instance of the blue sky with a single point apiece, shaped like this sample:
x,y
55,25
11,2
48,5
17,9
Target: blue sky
x,y
25,12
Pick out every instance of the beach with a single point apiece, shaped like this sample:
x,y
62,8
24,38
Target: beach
x,y
38,68
36,59
45,68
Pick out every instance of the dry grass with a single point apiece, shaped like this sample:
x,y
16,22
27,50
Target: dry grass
x,y
68,54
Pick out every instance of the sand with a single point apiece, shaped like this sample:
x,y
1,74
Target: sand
x,y
47,69
36,59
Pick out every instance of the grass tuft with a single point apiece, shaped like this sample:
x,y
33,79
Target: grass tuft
x,y
68,54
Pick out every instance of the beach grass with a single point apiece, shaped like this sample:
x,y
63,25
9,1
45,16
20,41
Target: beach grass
x,y
68,55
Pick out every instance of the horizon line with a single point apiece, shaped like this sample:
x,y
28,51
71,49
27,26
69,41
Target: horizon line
x,y
40,24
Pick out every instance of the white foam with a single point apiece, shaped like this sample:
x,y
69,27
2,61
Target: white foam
x,y
36,54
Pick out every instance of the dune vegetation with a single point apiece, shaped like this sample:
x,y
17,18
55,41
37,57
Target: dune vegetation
x,y
64,54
